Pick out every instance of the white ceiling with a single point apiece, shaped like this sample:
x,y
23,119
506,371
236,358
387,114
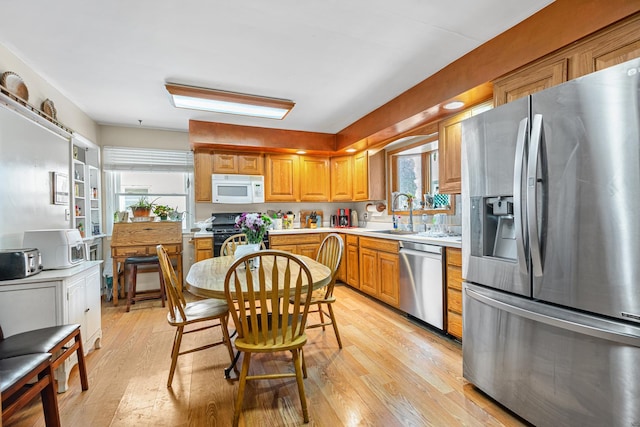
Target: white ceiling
x,y
336,59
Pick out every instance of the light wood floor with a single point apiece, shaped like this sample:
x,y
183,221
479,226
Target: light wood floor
x,y
391,372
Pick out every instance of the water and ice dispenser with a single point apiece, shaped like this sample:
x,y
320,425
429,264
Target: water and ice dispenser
x,y
498,233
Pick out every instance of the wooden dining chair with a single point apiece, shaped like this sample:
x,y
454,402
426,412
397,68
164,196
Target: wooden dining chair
x,y
17,388
182,314
231,243
264,317
330,255
61,341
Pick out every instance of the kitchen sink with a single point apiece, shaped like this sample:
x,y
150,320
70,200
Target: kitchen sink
x,y
393,231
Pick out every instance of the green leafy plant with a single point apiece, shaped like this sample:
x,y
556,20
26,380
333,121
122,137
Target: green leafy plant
x,y
144,203
142,207
162,210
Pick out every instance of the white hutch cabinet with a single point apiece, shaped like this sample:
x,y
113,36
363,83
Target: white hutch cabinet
x,y
55,297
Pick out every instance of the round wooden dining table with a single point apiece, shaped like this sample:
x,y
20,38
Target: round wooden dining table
x,y
206,277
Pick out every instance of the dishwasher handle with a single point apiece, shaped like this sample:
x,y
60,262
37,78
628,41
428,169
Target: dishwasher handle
x,y
420,247
423,254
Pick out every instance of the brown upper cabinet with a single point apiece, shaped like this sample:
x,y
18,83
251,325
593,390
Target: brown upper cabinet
x,y
282,178
449,150
342,178
314,179
530,80
244,163
293,178
202,166
611,46
369,176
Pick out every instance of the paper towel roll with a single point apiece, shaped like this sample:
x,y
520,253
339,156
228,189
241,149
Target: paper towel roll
x,y
379,207
375,210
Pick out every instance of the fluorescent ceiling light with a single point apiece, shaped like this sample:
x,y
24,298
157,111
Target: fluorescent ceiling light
x,y
219,101
453,105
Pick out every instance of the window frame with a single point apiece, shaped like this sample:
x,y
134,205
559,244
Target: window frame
x,y
392,177
118,160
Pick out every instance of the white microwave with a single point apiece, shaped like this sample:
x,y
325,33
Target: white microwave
x,y
237,188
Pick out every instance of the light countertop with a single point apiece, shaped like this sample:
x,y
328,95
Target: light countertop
x,y
53,275
421,237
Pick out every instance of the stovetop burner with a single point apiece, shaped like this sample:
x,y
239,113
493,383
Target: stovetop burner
x,y
225,230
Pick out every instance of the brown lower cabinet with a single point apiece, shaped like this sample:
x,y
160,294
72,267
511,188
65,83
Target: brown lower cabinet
x,y
299,244
379,269
352,261
454,292
203,248
341,275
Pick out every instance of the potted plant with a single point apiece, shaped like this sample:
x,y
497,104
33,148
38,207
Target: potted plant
x,y
162,211
142,207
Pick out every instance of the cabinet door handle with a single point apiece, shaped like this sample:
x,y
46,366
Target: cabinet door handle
x,y
87,310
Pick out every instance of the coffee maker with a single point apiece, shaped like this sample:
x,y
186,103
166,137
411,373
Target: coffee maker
x,y
344,217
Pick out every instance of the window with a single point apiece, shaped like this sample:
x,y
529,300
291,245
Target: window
x,y
164,176
414,170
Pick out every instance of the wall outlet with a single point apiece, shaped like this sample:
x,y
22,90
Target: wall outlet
x,y
365,216
67,214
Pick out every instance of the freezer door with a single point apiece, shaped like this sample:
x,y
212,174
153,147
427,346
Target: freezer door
x,y
549,365
586,189
494,243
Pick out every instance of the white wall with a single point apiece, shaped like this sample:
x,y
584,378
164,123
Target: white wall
x,y
39,89
28,155
121,136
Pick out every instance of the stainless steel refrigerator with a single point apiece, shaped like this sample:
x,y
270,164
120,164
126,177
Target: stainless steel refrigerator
x,y
551,251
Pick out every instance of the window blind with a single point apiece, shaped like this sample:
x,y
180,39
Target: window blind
x,y
146,159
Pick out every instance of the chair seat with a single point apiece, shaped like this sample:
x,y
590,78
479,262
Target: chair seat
x,y
14,369
322,299
141,260
36,341
319,297
269,347
199,310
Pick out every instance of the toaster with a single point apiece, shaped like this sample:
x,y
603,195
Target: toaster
x,y
19,263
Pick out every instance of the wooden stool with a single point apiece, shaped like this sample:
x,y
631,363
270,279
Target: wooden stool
x,y
132,294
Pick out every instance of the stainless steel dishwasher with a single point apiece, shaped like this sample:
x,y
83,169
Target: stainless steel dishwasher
x,y
421,287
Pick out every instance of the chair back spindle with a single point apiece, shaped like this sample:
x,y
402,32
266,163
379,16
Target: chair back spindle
x,y
270,312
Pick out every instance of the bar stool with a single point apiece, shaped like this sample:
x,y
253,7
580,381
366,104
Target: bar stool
x,y
133,295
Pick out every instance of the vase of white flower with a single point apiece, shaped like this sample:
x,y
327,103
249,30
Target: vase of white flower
x,y
254,226
249,248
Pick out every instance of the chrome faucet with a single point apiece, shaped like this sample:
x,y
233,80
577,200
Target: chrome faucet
x,y
410,202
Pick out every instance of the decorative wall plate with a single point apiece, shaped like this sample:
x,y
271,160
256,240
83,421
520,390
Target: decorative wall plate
x,y
14,84
48,108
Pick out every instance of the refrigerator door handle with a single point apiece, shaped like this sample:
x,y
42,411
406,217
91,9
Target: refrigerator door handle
x,y
517,194
558,318
532,195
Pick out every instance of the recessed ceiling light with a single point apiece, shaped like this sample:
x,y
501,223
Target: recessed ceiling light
x,y
219,101
350,150
454,105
